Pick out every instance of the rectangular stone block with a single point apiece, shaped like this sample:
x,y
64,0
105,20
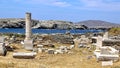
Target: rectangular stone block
x,y
23,55
107,63
28,44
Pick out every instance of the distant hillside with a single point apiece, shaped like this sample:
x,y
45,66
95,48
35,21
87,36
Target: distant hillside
x,y
98,24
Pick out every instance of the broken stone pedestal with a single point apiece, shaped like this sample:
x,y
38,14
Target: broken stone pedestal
x,y
51,51
2,39
3,50
28,44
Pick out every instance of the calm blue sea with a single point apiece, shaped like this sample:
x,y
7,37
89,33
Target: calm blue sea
x,y
47,31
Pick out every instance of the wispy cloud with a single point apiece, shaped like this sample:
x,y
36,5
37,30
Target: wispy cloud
x,y
103,5
110,5
61,4
91,3
58,3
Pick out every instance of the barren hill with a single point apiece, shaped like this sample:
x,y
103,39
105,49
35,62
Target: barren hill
x,y
98,24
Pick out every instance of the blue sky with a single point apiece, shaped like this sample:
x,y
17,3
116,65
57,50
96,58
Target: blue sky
x,y
69,10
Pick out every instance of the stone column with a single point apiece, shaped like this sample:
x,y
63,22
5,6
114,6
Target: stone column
x,y
28,26
28,42
99,43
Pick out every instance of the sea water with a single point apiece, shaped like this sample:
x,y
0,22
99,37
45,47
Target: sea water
x,y
48,31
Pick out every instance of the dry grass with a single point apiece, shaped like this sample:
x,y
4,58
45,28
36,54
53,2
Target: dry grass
x,y
77,59
114,31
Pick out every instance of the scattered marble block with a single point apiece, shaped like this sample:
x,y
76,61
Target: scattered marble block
x,y
40,46
58,51
72,46
24,55
107,63
41,50
35,49
28,44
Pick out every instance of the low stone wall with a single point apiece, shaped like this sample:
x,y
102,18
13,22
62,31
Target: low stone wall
x,y
111,43
115,44
62,38
59,38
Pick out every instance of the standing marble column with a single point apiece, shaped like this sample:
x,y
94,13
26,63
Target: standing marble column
x,y
28,26
28,42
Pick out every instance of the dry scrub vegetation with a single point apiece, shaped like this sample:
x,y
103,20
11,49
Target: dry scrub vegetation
x,y
114,31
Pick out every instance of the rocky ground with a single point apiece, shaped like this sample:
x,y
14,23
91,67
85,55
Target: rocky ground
x,y
76,58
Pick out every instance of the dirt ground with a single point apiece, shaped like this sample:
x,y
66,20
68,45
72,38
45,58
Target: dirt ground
x,y
78,58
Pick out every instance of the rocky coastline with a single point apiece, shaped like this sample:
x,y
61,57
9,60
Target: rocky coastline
x,y
57,24
47,24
